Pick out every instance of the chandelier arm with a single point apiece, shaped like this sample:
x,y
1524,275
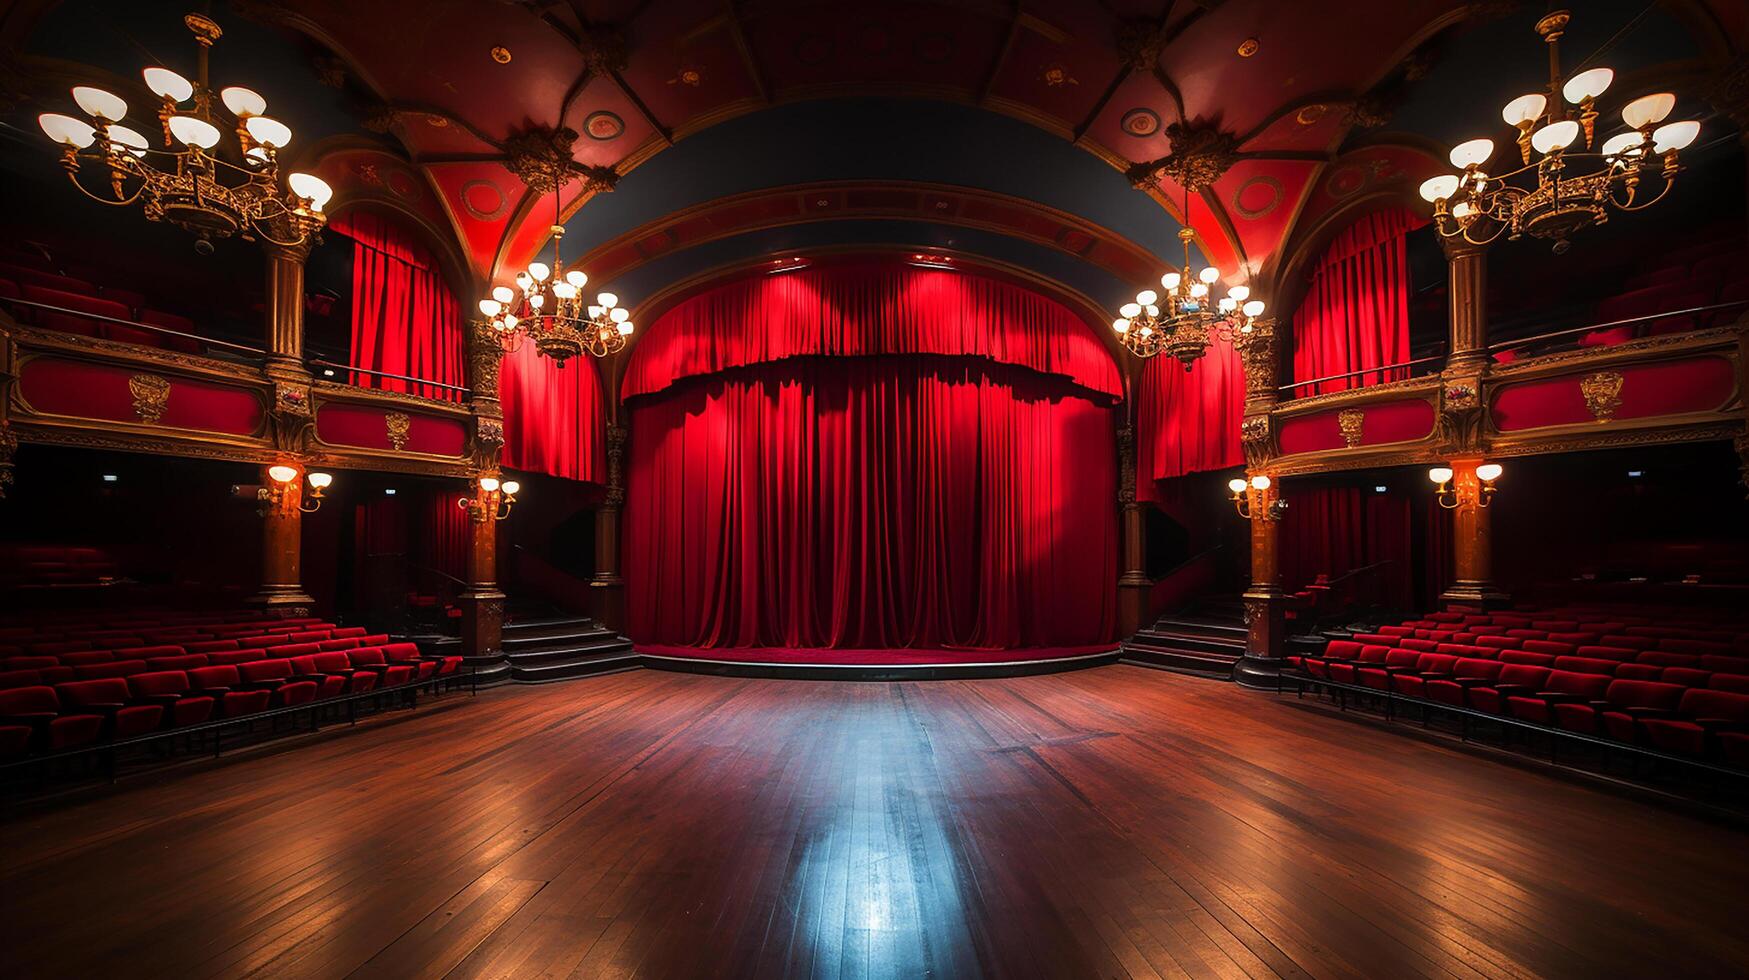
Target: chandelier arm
x,y
1644,204
73,175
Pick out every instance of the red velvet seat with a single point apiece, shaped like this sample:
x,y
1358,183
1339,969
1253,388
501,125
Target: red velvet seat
x,y
1346,671
1378,639
1600,652
1630,701
1701,713
1587,665
82,658
337,664
278,676
74,312
19,678
1686,676
309,636
39,710
1738,683
1519,679
1466,673
187,661
1631,642
1561,687
343,632
210,646
1418,645
170,689
115,668
1500,642
344,643
409,653
1378,676
225,685
289,650
372,658
327,685
1553,648
1411,683
234,657
112,699
1725,665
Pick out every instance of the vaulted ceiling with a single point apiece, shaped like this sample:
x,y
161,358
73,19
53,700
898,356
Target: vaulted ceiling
x,y
1059,136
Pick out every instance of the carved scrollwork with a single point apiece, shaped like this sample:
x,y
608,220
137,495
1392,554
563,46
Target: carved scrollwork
x,y
486,360
397,424
1257,438
1200,155
616,451
1602,392
8,449
1126,466
1351,422
1460,416
292,419
543,159
151,395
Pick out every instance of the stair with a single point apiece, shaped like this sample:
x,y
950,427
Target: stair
x,y
1206,641
549,648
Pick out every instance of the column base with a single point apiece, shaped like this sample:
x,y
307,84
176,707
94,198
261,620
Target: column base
x,y
1133,593
283,601
1471,592
1265,636
610,601
483,633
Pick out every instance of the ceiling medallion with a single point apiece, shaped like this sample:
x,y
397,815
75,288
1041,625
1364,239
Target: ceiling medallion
x,y
1056,75
501,54
196,187
1253,213
1200,155
1248,47
479,209
542,158
689,75
1552,197
1311,113
603,126
1140,123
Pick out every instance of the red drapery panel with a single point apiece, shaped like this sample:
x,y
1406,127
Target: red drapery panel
x,y
1188,422
552,415
442,539
867,308
1335,530
872,503
404,317
1356,314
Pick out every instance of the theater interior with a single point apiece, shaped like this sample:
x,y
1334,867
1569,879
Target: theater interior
x,y
893,488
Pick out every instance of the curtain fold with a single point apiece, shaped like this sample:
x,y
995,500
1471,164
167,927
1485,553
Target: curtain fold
x,y
1188,421
1356,314
404,318
552,415
868,308
1335,530
872,503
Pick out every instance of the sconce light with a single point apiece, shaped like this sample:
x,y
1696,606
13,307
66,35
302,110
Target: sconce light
x,y
1255,498
278,492
1453,493
493,500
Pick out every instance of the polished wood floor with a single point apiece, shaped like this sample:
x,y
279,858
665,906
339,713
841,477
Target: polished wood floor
x,y
1115,822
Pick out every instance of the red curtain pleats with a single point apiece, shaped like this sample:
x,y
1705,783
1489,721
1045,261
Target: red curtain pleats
x,y
1356,314
552,415
442,541
1336,530
404,318
869,503
1188,422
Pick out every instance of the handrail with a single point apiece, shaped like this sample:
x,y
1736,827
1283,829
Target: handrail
x,y
1359,371
317,362
1345,576
1186,563
154,328
1525,341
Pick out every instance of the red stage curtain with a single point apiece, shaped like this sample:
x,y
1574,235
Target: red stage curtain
x,y
552,415
404,317
868,307
1335,530
872,503
1357,312
443,535
1188,422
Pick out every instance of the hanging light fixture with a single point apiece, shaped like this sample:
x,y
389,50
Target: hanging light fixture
x,y
1185,318
1562,187
192,182
548,307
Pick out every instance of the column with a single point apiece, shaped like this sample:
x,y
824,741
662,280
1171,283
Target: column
x,y
1265,604
1467,278
481,601
282,526
1134,587
608,583
291,420
1472,545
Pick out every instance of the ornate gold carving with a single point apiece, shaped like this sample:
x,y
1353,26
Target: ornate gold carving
x,y
292,419
1262,367
1126,466
485,359
542,158
1602,393
1139,43
397,423
151,396
1256,437
1350,422
616,451
1460,421
8,449
604,50
1200,155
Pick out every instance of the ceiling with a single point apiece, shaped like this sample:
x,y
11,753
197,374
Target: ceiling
x,y
1057,136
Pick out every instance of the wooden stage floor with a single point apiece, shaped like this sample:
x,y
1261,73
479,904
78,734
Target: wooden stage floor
x,y
1115,822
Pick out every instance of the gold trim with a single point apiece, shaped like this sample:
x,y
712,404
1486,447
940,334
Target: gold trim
x,y
151,396
1351,421
1602,393
397,424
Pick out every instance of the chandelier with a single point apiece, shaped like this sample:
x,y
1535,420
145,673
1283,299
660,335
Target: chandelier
x,y
1184,320
547,306
187,183
1560,189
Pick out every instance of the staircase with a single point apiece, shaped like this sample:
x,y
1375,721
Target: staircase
x,y
1205,640
552,647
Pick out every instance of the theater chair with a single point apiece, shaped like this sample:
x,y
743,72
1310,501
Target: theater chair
x,y
327,685
1466,674
1348,671
84,658
1378,676
20,678
1514,679
187,661
1562,687
339,665
225,685
371,658
1632,701
116,668
112,699
38,709
1429,666
408,653
210,646
170,690
279,677
1735,683
1704,717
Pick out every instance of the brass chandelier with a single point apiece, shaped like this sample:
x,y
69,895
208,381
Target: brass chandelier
x,y
1560,189
193,187
548,307
1186,319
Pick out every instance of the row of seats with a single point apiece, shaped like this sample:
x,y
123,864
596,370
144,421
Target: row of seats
x,y
46,717
85,308
93,664
1666,682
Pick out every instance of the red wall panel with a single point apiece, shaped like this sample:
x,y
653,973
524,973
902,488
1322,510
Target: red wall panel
x,y
1698,384
366,426
61,386
1393,421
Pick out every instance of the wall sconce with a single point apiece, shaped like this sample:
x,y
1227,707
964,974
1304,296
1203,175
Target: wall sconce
x,y
1453,493
493,501
1256,497
277,493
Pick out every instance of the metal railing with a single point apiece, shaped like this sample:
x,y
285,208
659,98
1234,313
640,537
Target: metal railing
x,y
330,366
135,324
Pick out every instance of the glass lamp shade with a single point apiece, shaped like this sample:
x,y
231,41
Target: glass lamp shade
x,y
128,140
282,474
66,130
1587,85
1260,482
1239,294
97,103
1555,136
190,131
321,481
1463,209
1489,472
594,312
510,321
1439,474
608,300
1525,108
491,307
1236,485
564,290
1472,153
1121,325
537,300
257,155
1130,309
1199,289
1229,304
1151,310
511,487
242,101
166,84
1439,188
539,271
1170,281
1209,275
503,294
312,188
619,314
267,131
1147,297
1674,136
625,329
524,281
489,484
577,278
1623,144
1648,110
1254,308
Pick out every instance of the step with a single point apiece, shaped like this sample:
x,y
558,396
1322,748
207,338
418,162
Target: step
x,y
551,626
512,642
611,643
576,666
1224,647
1233,631
1181,661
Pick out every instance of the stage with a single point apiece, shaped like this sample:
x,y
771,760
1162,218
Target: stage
x,y
1113,822
875,665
